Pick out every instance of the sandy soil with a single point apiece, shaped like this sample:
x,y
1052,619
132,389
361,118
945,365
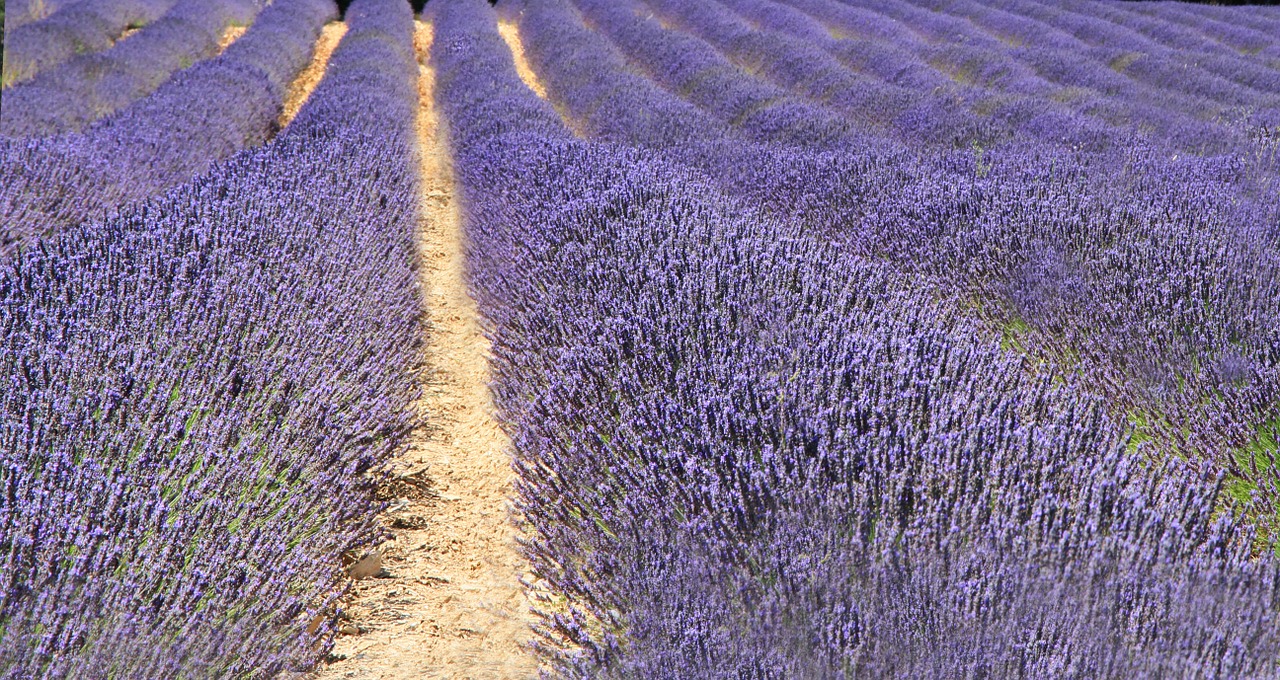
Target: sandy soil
x,y
449,603
302,86
511,34
230,35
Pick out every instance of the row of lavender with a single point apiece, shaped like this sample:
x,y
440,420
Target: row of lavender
x,y
1146,269
21,12
696,71
747,450
1163,261
1009,60
195,387
76,28
69,96
160,140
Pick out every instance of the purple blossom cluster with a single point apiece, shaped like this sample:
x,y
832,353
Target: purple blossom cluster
x,y
684,64
968,400
160,140
835,338
74,28
195,386
1018,226
757,159
74,94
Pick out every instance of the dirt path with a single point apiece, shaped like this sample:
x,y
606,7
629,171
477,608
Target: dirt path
x,y
229,35
302,86
450,604
511,34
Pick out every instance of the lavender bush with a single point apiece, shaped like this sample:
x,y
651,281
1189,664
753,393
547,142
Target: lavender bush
x,y
160,140
835,338
195,386
75,28
791,444
74,94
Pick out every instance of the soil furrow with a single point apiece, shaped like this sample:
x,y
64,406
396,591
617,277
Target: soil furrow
x,y
511,34
302,86
449,603
230,34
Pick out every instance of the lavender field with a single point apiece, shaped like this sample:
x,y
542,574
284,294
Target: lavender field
x,y
732,339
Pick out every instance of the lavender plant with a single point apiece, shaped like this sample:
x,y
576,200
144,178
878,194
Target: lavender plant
x,y
160,140
73,95
75,28
834,338
756,446
196,386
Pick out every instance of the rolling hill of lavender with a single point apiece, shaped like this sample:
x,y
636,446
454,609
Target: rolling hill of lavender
x,y
834,338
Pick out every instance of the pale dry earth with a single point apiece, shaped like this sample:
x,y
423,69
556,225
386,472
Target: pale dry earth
x,y
449,602
302,86
511,34
230,35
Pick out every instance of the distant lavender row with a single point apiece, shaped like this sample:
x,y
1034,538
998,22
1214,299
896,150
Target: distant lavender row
x,y
1181,77
962,68
692,68
593,84
20,12
1140,113
1023,227
160,140
1246,32
920,115
74,94
684,64
1017,87
1211,57
196,387
1185,65
1087,87
746,453
75,28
